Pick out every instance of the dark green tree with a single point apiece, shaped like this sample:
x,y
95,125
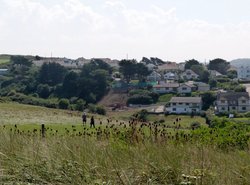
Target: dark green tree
x,y
128,69
70,86
51,74
219,65
142,71
190,63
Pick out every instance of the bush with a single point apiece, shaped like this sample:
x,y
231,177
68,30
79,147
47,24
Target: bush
x,y
140,99
43,90
100,110
63,103
195,125
96,109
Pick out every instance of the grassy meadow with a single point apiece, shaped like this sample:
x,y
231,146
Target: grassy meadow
x,y
115,152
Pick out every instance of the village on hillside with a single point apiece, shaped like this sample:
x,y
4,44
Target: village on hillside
x,y
164,87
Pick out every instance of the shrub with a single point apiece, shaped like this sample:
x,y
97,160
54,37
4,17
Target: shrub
x,y
100,110
63,103
140,99
96,109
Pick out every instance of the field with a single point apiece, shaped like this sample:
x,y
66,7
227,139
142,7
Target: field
x,y
4,59
117,152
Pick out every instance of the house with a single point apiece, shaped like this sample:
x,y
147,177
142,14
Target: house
x,y
154,76
202,87
3,71
185,88
232,102
243,72
214,73
189,74
170,76
184,105
169,67
165,88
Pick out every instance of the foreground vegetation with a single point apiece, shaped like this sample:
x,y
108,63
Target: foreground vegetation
x,y
119,152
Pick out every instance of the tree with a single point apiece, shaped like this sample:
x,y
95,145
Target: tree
x,y
219,65
208,99
20,65
204,77
43,90
232,74
212,83
128,69
63,103
51,74
69,87
190,63
142,71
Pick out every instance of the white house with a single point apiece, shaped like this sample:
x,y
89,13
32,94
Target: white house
x,y
232,102
184,105
165,88
154,76
185,88
214,73
170,76
189,74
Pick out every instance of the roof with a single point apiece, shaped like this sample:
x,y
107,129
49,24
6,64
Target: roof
x,y
167,85
190,71
232,96
169,66
185,100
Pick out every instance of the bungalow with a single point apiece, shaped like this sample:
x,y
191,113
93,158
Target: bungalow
x,y
185,88
154,76
202,87
170,76
184,105
165,88
189,74
232,102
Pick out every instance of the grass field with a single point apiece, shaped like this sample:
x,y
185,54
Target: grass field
x,y
75,154
4,59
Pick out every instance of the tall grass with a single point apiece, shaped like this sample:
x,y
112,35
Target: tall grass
x,y
83,160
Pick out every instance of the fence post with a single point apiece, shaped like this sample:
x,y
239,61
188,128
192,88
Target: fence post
x,y
43,130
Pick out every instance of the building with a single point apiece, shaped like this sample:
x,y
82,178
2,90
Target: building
x,y
154,76
232,102
169,67
184,105
214,73
170,76
189,75
165,88
243,72
3,71
202,87
185,88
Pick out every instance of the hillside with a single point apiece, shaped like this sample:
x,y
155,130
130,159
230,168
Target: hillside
x,y
114,99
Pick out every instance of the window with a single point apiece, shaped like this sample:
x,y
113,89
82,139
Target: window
x,y
180,103
174,103
222,108
243,101
243,108
174,109
187,103
233,108
184,88
222,101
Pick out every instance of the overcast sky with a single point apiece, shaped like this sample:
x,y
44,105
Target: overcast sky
x,y
174,30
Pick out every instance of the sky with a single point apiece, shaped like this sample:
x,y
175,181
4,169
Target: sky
x,y
173,30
